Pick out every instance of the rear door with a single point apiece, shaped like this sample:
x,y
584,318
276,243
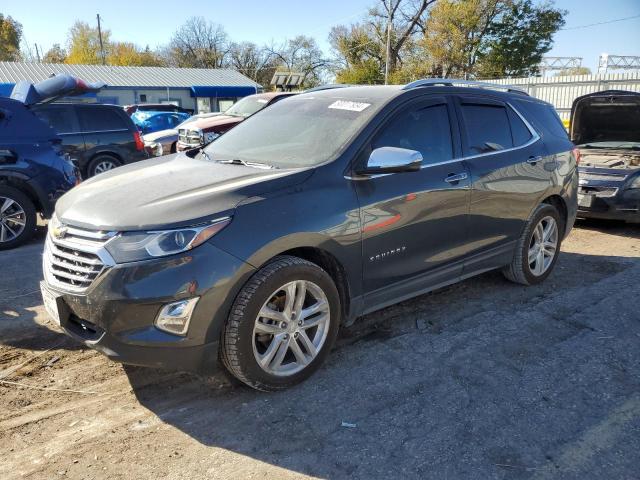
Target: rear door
x,y
508,170
63,119
106,130
414,222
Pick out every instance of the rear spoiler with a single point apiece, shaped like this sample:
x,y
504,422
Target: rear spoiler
x,y
52,88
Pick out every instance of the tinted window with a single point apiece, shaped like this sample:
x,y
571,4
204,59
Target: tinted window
x,y
547,116
424,129
98,119
59,118
487,128
519,130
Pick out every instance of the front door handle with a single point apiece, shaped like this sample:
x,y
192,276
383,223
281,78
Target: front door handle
x,y
533,160
454,178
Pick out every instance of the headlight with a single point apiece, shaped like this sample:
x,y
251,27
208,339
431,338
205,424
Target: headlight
x,y
211,136
134,246
635,183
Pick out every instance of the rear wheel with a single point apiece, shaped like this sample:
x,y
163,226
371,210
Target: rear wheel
x,y
538,247
101,164
282,325
18,218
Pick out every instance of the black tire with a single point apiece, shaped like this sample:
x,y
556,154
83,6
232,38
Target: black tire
x,y
30,216
237,342
173,147
102,160
519,270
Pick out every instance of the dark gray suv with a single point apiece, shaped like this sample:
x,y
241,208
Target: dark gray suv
x,y
309,214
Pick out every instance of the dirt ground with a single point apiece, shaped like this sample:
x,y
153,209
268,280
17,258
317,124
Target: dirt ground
x,y
484,379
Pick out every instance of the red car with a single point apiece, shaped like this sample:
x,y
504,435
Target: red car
x,y
205,130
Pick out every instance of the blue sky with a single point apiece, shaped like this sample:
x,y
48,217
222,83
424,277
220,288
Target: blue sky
x,y
151,23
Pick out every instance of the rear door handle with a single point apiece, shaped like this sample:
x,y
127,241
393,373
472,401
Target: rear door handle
x,y
534,160
454,178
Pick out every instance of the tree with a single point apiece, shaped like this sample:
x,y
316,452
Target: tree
x,y
255,62
56,54
519,39
359,57
456,32
301,54
128,54
10,36
573,71
84,44
198,43
360,49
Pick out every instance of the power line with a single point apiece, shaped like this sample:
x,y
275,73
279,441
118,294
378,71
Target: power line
x,y
601,23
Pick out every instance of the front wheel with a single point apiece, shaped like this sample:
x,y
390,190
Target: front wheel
x,y
18,218
282,325
538,247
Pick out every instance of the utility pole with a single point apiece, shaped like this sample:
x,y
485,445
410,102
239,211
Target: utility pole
x,y
100,37
388,54
37,52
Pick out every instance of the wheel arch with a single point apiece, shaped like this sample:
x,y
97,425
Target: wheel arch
x,y
20,182
560,204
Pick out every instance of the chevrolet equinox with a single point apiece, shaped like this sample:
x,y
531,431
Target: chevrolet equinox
x,y
309,214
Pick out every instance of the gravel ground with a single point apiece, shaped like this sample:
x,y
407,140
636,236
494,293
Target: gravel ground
x,y
484,379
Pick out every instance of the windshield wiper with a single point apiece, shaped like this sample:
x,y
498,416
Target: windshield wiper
x,y
237,161
205,154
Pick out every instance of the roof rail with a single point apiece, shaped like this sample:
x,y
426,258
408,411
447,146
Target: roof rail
x,y
452,82
328,86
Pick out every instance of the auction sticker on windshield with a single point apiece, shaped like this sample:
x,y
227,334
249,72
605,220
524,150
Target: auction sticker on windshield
x,y
347,105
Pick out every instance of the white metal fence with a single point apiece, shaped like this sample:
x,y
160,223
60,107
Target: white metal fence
x,y
562,91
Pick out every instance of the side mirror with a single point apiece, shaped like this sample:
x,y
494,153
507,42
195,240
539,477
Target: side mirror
x,y
393,160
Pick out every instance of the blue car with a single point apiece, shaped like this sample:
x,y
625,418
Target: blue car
x,y
150,121
34,170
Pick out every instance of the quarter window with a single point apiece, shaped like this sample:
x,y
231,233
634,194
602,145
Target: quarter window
x,y
519,130
487,128
426,130
99,119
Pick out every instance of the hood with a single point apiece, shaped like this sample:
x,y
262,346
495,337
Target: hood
x,y
608,116
161,134
208,124
167,192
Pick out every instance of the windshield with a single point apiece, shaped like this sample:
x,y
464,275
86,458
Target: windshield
x,y
305,130
247,106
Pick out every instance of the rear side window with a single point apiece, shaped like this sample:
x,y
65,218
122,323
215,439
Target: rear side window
x,y
487,127
519,130
59,118
100,119
425,129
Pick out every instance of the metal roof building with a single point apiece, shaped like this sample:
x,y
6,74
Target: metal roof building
x,y
198,88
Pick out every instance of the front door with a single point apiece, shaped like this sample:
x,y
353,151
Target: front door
x,y
413,223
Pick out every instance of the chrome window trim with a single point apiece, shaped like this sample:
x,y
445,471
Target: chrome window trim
x,y
95,131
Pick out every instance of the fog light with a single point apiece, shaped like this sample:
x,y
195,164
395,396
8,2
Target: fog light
x,y
174,317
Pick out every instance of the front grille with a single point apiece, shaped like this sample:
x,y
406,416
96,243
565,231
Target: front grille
x,y
189,137
73,261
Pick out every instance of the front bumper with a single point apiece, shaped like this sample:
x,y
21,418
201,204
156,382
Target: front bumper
x,y
623,205
116,314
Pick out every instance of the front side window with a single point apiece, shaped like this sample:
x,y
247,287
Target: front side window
x,y
487,127
424,129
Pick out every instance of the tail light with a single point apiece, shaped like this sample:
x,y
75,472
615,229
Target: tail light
x,y
138,139
576,153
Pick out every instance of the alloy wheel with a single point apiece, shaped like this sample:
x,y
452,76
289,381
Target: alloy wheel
x,y
543,246
291,328
104,166
13,219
